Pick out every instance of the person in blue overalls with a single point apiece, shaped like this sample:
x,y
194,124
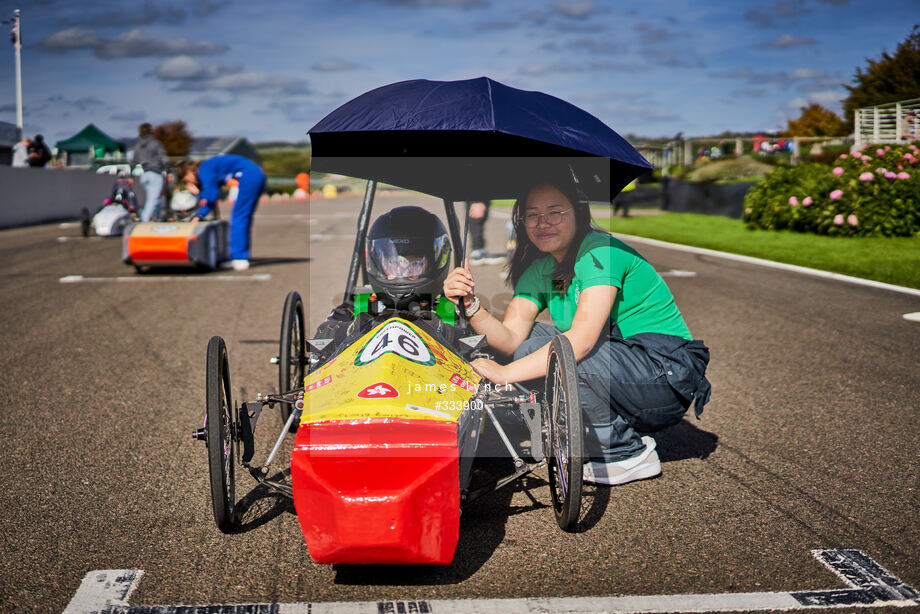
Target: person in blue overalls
x,y
207,177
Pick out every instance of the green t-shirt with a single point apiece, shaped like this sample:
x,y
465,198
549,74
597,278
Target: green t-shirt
x,y
644,303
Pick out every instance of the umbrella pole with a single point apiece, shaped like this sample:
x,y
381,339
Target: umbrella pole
x,y
466,232
462,319
357,255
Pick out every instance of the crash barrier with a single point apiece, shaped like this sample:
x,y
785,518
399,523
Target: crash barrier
x,y
726,199
37,195
641,196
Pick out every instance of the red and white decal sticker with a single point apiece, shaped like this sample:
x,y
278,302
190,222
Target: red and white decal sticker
x,y
380,390
459,381
318,384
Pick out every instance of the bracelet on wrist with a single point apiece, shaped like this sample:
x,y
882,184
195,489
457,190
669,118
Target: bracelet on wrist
x,y
473,308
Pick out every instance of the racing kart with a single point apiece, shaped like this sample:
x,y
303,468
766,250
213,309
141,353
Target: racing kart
x,y
115,213
387,420
379,475
178,241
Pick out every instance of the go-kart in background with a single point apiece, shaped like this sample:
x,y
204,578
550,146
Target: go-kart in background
x,y
810,440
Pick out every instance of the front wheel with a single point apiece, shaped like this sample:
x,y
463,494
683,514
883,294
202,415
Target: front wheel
x,y
292,357
220,426
562,431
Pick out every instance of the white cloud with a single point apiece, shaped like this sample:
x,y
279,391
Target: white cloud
x,y
214,101
543,68
334,65
187,67
257,83
806,73
128,116
788,40
131,44
71,38
574,10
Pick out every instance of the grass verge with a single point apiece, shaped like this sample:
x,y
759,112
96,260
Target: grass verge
x,y
889,260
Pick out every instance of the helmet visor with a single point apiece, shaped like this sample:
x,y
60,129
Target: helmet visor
x,y
406,260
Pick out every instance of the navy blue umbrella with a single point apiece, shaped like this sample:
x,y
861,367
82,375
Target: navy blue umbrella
x,y
470,140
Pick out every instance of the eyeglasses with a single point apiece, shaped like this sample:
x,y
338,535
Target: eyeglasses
x,y
553,218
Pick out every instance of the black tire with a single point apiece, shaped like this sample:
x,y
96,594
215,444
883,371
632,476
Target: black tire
x,y
85,221
292,357
563,432
221,427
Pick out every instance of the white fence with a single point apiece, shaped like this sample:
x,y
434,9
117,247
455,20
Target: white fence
x,y
895,122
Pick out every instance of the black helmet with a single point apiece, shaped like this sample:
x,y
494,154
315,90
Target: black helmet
x,y
407,254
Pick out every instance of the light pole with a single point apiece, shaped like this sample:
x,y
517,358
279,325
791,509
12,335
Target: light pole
x,y
16,37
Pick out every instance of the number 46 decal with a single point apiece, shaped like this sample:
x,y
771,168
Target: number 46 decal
x,y
399,339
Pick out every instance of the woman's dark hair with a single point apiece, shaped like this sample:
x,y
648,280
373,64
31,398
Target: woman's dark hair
x,y
525,252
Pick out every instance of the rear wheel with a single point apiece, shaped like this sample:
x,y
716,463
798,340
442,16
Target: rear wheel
x,y
220,426
562,428
292,357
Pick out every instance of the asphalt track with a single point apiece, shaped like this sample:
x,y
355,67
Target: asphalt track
x,y
810,442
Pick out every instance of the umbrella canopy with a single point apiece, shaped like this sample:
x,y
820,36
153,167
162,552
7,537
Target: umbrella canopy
x,y
90,136
471,139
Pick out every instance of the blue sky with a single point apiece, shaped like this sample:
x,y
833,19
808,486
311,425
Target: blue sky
x,y
270,70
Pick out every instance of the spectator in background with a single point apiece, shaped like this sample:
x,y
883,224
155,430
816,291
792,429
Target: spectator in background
x,y
206,178
479,215
150,155
21,153
39,154
910,131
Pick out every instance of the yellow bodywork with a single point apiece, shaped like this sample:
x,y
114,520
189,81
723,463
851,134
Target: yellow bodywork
x,y
396,370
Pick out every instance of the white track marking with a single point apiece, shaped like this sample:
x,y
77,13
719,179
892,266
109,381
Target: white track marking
x,y
104,588
68,224
150,278
332,237
869,585
677,273
769,263
93,238
913,317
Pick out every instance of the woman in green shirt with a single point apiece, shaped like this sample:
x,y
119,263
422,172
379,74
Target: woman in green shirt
x,y
638,366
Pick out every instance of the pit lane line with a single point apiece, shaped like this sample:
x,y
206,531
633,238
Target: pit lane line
x,y
74,279
870,585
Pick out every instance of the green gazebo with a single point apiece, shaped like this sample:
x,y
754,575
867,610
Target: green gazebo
x,y
91,138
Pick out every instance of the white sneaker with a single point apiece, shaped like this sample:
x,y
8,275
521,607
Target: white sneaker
x,y
481,256
643,465
236,265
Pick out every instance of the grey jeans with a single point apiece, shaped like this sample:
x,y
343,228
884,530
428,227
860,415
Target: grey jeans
x,y
153,191
622,391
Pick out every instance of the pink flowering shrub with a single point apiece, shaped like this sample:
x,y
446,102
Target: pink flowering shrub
x,y
844,199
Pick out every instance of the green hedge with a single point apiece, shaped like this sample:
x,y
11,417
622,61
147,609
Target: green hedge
x,y
874,192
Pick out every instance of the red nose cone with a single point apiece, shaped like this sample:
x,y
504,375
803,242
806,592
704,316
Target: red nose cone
x,y
378,490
